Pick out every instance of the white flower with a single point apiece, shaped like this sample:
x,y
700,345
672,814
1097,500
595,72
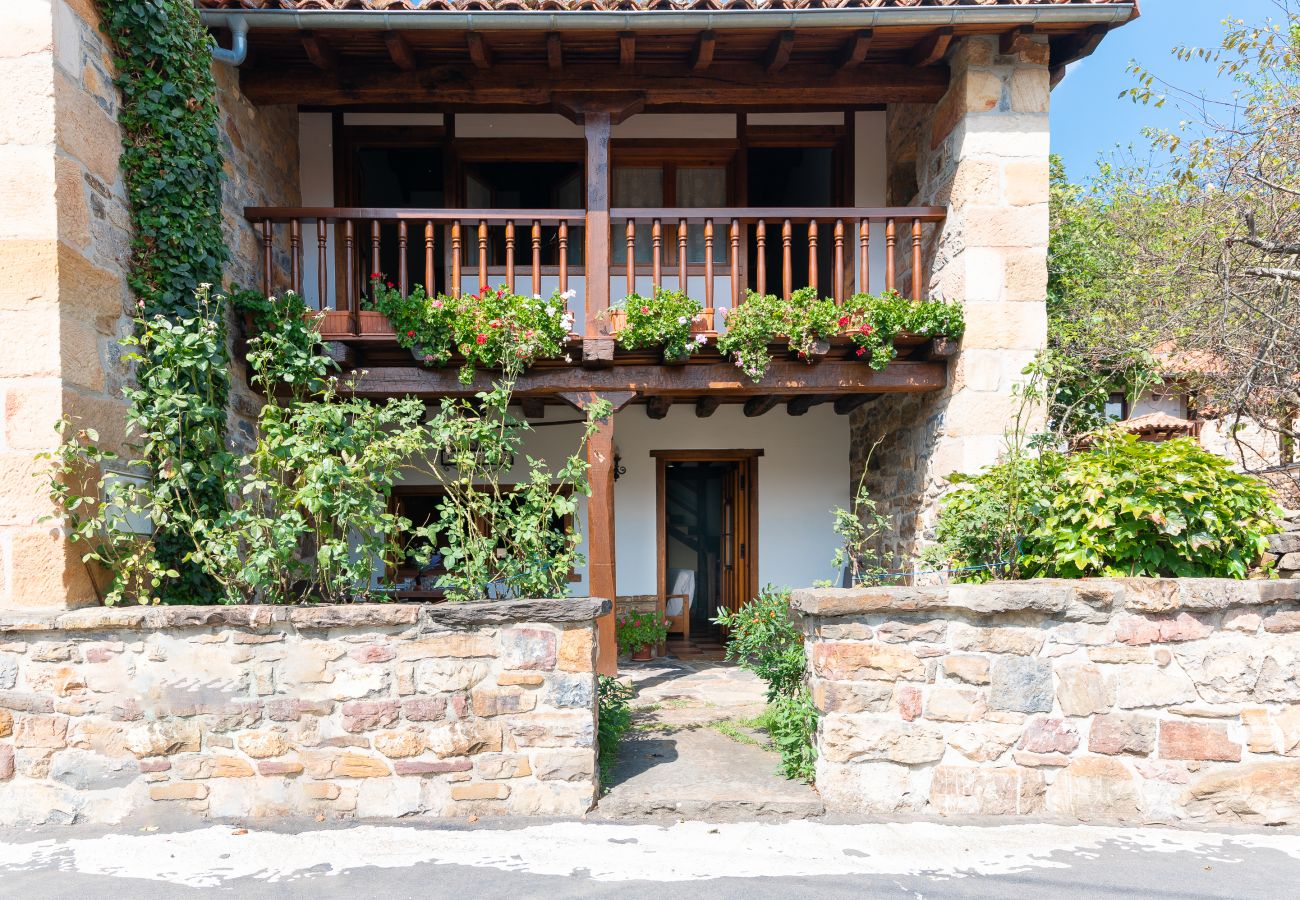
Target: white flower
x,y
550,310
569,295
701,339
539,297
724,310
682,320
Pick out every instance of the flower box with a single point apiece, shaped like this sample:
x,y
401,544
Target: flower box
x,y
703,323
615,321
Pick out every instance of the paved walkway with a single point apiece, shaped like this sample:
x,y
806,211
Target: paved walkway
x,y
694,753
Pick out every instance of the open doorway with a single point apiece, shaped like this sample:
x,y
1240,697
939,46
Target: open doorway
x,y
707,536
791,176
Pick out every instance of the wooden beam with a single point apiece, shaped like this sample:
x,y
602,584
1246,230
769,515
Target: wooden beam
x,y
702,54
1016,41
399,50
598,353
941,349
626,50
319,52
845,405
779,53
932,48
706,406
657,407
554,51
785,377
346,357
479,52
1075,48
799,406
815,85
756,406
854,50
533,407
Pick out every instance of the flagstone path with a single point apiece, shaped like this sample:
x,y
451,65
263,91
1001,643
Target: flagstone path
x,y
693,752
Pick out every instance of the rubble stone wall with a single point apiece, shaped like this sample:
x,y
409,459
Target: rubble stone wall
x,y
257,711
1140,700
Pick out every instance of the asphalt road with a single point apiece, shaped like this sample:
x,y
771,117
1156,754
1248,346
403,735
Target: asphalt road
x,y
607,859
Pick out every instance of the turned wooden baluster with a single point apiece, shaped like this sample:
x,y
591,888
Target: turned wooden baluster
x,y
537,257
916,259
708,263
760,240
455,259
864,256
295,256
563,238
630,234
322,263
657,252
839,261
428,258
812,254
787,273
482,254
403,276
267,241
374,248
681,255
510,256
891,238
735,264
350,286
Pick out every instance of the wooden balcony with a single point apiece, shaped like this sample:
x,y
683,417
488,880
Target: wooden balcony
x,y
716,255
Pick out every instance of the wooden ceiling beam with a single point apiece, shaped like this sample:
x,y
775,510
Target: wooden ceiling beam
x,y
1075,48
657,407
479,52
554,51
702,54
400,52
779,53
785,378
706,406
626,50
932,49
846,404
662,84
1017,40
854,51
799,406
756,406
319,52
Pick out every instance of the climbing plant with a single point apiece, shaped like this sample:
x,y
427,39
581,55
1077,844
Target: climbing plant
x,y
171,163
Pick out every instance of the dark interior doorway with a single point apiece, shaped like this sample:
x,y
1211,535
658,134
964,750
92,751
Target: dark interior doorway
x,y
791,176
400,178
693,526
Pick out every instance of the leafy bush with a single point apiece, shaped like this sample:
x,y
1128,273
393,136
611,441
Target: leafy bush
x,y
764,640
791,721
613,719
1122,508
662,320
637,630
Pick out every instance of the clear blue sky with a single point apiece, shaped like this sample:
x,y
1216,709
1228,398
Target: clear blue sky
x,y
1088,118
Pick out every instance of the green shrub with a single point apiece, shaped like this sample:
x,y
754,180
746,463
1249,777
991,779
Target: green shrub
x,y
636,629
1122,508
764,640
791,721
614,718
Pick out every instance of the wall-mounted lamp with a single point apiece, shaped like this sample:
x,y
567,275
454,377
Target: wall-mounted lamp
x,y
619,468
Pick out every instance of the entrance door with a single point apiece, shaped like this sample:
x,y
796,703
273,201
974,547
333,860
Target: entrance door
x,y
708,530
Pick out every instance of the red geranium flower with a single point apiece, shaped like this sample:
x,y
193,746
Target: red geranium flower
x,y
410,334
389,284
862,351
482,339
865,329
844,321
645,310
375,276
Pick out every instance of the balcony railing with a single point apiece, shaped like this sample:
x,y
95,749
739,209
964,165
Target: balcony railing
x,y
327,254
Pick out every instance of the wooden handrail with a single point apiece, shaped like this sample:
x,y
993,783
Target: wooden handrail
x,y
392,215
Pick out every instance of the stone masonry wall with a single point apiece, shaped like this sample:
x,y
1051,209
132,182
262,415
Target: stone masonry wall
x,y
1284,547
342,711
982,152
1140,700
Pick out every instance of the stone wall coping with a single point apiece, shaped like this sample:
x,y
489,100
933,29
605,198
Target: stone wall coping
x,y
359,615
1082,600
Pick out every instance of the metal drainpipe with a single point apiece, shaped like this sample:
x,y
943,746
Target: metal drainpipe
x,y
611,21
238,51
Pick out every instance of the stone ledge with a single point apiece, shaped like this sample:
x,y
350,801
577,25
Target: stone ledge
x,y
427,617
1072,600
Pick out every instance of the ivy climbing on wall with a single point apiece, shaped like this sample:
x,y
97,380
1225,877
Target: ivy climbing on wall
x,y
172,166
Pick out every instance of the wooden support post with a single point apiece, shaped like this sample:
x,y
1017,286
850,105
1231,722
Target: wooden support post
x,y
602,579
598,125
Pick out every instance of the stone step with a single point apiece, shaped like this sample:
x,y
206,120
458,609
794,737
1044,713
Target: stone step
x,y
707,810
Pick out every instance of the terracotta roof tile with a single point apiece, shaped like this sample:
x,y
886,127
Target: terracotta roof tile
x,y
645,5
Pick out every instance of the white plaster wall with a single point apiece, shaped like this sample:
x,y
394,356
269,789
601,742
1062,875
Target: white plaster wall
x,y
1169,404
802,475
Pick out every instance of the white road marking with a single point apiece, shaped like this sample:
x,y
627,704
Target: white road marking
x,y
686,851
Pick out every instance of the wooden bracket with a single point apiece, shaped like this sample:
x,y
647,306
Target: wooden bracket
x,y
577,105
582,399
932,49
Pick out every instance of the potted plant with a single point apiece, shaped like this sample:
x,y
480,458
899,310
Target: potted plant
x,y
805,322
666,320
639,632
873,322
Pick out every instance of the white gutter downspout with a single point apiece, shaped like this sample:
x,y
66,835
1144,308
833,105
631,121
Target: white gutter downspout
x,y
1113,14
238,51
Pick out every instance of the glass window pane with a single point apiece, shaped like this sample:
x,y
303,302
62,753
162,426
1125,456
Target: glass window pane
x,y
638,186
699,186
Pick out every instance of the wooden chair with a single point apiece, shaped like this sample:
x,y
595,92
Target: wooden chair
x,y
680,623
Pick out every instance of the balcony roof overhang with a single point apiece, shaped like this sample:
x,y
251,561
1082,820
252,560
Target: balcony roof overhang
x,y
469,53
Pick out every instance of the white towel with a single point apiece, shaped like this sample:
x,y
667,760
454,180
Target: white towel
x,y
680,581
